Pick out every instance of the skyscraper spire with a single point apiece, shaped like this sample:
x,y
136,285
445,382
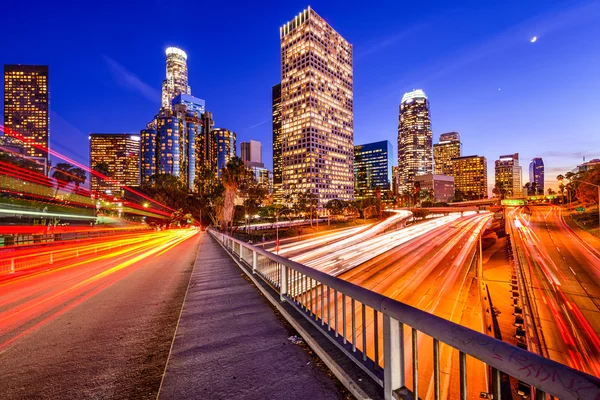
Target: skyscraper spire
x,y
177,77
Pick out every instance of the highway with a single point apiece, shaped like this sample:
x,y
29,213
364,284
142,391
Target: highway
x,y
431,271
563,279
99,321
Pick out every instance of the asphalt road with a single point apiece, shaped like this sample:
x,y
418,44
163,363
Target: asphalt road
x,y
99,327
430,272
564,279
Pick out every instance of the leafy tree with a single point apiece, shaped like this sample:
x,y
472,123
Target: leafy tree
x,y
336,206
79,177
499,190
527,188
551,192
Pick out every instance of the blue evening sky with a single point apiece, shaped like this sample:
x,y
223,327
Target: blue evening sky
x,y
474,60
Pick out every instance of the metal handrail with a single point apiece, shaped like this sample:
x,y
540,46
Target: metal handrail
x,y
541,373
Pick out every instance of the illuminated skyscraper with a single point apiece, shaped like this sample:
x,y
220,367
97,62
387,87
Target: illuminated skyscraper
x,y
536,175
26,109
414,138
449,147
317,133
149,151
188,110
116,155
176,82
224,148
372,169
277,169
470,177
204,145
508,174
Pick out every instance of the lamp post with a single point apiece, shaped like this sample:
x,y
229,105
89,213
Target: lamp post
x,y
247,224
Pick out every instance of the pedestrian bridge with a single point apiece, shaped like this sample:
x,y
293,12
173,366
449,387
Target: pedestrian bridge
x,y
381,335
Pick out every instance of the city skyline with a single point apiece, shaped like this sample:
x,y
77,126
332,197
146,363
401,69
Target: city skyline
x,y
122,88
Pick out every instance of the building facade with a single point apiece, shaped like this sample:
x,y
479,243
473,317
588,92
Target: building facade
x,y
276,126
149,151
317,131
536,175
188,110
470,177
251,152
176,81
224,148
116,155
439,187
414,138
444,151
508,175
26,108
372,169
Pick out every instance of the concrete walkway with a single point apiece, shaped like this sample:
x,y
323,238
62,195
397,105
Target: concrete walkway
x,y
230,345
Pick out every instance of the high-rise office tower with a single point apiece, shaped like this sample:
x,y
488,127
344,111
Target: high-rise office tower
x,y
317,126
116,155
149,150
26,108
176,81
372,168
414,138
205,157
449,147
508,174
277,171
536,175
224,148
470,176
188,110
251,152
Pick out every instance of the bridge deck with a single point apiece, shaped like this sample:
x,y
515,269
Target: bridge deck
x,y
230,344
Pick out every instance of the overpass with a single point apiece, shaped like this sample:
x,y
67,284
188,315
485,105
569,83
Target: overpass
x,y
345,314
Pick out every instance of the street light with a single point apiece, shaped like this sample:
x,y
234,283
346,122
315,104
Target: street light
x,y
247,224
591,184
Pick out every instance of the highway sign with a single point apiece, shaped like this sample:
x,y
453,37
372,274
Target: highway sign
x,y
580,209
513,202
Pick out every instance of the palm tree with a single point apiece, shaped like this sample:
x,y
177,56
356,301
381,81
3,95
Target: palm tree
x,y
63,176
79,177
232,176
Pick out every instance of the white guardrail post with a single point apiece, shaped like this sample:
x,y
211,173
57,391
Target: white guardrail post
x,y
283,282
254,261
393,356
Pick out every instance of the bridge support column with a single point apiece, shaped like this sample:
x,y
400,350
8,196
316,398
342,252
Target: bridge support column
x,y
393,356
283,282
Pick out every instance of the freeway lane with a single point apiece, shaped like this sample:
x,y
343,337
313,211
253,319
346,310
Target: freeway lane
x,y
431,272
564,280
95,328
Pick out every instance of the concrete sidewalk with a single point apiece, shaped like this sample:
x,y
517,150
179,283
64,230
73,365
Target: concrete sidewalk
x,y
230,344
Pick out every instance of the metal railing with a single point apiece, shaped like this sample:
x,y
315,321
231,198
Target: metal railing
x,y
370,329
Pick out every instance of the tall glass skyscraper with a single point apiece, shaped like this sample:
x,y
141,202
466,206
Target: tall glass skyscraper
x,y
277,168
188,110
444,151
536,174
317,125
508,174
224,143
26,108
414,139
176,81
172,140
118,155
372,168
